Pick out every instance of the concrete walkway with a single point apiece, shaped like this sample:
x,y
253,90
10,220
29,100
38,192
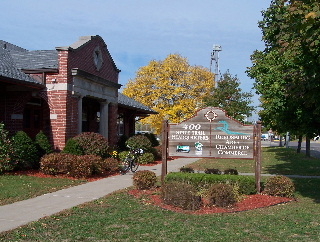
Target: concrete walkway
x,y
23,212
20,213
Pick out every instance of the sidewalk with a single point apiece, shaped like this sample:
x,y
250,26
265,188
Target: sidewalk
x,y
23,212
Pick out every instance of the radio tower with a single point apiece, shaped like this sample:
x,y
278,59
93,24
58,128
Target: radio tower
x,y
215,57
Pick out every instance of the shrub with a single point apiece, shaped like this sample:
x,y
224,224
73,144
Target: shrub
x,y
186,169
43,144
56,163
153,139
97,163
73,147
93,144
280,186
222,195
157,152
102,166
123,155
212,171
246,184
143,180
122,142
139,142
146,158
231,172
6,151
181,195
111,164
82,166
25,151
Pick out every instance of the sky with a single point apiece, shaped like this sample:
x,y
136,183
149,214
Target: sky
x,y
138,31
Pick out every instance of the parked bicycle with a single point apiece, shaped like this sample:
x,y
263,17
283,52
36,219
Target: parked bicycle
x,y
131,162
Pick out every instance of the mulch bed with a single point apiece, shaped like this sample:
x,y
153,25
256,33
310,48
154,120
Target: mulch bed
x,y
152,196
250,202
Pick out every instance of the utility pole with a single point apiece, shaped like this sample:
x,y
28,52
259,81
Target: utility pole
x,y
215,57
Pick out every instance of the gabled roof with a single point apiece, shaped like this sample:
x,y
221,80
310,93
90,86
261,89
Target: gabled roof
x,y
83,40
127,102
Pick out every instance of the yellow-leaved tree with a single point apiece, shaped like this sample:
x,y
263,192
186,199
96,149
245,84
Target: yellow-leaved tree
x,y
171,87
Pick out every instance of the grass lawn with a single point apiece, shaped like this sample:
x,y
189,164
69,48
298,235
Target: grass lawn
x,y
17,188
275,160
120,217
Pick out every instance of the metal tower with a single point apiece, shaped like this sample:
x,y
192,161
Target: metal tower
x,y
215,57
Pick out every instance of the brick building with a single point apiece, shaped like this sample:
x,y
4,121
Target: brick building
x,y
64,92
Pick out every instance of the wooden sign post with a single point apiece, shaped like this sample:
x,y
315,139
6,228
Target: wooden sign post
x,y
210,134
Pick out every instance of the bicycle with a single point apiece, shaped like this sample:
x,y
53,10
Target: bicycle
x,y
131,161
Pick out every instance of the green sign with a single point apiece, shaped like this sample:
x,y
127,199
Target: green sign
x,y
211,133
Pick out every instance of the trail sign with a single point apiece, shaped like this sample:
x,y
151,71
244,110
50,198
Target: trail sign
x,y
211,133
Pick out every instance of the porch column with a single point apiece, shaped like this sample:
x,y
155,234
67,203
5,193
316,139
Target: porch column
x,y
104,117
80,114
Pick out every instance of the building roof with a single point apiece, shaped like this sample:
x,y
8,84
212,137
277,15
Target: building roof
x,y
14,60
83,40
38,59
130,103
8,67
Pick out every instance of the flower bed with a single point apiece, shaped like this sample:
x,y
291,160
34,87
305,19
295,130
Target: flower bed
x,y
250,202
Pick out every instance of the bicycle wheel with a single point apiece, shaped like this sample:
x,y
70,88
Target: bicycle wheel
x,y
134,165
125,165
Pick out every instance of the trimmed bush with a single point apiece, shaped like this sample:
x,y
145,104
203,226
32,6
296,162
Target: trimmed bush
x,y
25,152
82,166
212,171
246,184
57,163
230,172
43,144
157,152
181,195
7,162
139,142
280,186
186,169
103,166
153,139
143,180
73,147
146,158
222,195
123,155
93,144
76,166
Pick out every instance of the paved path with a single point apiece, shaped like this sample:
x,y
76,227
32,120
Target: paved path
x,y
23,212
20,213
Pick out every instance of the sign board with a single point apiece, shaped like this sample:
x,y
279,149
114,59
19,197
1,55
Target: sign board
x,y
211,133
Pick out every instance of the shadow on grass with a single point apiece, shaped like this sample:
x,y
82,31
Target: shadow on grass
x,y
282,161
308,188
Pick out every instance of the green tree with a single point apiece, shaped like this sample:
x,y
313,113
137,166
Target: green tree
x,y
288,68
229,96
171,87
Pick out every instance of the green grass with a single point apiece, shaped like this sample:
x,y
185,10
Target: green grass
x,y
120,217
17,188
275,160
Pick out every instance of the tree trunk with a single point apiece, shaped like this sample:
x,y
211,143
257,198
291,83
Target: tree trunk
x,y
299,144
280,140
308,147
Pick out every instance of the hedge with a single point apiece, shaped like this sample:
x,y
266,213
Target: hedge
x,y
201,180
